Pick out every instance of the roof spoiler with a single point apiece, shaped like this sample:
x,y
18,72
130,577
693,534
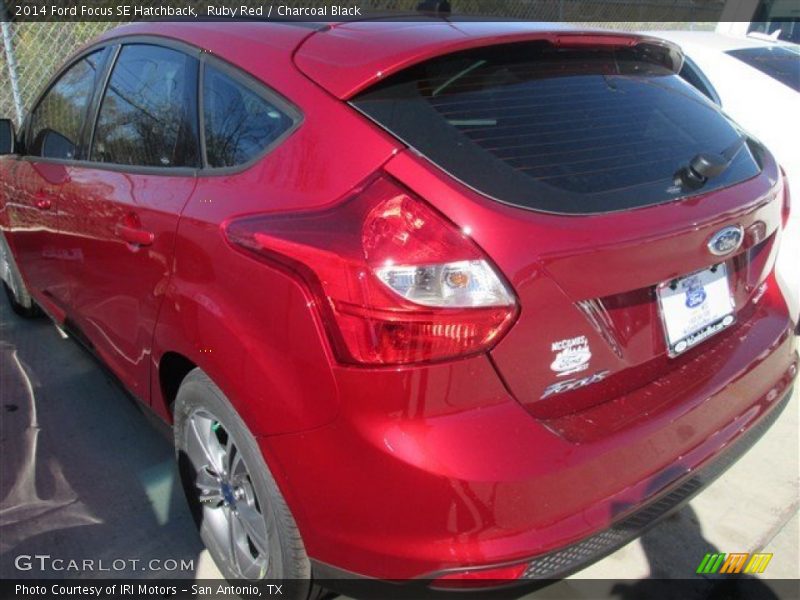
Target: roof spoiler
x,y
652,50
348,58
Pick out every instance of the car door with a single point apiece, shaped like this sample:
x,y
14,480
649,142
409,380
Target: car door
x,y
122,204
35,180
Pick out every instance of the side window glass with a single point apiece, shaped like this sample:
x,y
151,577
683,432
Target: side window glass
x,y
58,119
239,122
147,116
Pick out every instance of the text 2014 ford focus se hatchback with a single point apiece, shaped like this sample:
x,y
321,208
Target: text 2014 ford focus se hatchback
x,y
437,301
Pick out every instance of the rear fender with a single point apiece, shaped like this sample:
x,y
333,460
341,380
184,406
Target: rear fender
x,y
277,382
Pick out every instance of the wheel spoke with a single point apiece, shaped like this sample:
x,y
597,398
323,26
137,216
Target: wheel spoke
x,y
238,470
203,446
232,553
210,489
230,456
207,480
253,524
240,556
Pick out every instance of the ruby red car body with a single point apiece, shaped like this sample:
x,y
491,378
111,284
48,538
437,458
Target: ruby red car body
x,y
413,469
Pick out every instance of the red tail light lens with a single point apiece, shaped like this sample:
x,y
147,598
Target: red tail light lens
x,y
396,282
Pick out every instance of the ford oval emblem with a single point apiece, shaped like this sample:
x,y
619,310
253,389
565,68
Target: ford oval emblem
x,y
726,240
695,297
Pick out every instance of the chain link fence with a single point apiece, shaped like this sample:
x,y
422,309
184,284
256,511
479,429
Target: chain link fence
x,y
33,51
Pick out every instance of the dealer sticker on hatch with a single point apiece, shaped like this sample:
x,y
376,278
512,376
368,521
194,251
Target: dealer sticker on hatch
x,y
695,307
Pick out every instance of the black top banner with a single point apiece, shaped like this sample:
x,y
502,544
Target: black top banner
x,y
674,11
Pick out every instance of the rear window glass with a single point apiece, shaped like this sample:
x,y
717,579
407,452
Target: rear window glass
x,y
559,130
779,63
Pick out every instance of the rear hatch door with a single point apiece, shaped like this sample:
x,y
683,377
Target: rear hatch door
x,y
633,219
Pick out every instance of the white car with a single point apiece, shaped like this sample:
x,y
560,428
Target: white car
x,y
756,81
775,19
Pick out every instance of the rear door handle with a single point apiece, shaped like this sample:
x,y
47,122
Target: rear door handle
x,y
135,235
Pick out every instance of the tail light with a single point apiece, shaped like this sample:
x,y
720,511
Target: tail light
x,y
395,281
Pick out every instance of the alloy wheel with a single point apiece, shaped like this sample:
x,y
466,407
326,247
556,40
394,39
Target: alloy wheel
x,y
232,513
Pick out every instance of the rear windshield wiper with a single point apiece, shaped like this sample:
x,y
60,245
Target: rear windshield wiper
x,y
707,165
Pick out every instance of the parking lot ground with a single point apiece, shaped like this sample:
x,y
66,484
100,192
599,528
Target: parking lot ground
x,y
84,475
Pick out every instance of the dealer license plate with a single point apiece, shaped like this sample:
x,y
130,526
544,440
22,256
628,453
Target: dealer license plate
x,y
695,307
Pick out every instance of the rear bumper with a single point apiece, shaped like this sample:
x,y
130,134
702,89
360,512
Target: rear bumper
x,y
436,469
567,560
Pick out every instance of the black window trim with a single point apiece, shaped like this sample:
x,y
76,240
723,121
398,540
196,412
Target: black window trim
x,y
255,86
115,45
96,101
27,123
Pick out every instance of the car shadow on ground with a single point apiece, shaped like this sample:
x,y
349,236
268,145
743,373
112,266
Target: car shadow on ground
x,y
84,474
673,550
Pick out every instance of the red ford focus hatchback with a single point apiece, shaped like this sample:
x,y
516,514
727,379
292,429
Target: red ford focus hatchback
x,y
437,301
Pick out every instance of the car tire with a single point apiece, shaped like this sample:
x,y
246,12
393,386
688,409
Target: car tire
x,y
16,292
241,514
